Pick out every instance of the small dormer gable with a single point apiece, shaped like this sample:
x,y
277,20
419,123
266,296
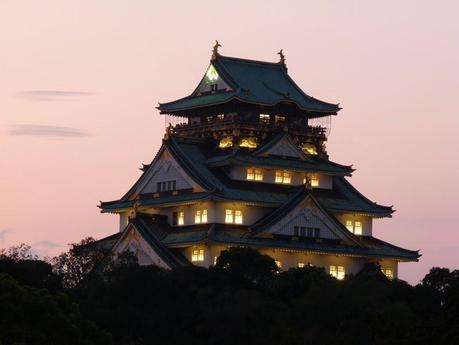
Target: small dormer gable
x,y
302,217
211,83
282,146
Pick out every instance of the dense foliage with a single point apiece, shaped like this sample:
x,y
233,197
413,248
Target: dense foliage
x,y
242,300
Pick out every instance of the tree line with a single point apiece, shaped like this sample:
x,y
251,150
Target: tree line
x,y
83,297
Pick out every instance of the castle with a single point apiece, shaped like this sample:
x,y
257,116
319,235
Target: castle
x,y
245,164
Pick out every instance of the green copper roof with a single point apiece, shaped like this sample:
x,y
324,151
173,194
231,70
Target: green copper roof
x,y
313,164
193,156
254,82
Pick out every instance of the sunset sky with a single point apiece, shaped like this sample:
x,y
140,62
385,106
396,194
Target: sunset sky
x,y
79,82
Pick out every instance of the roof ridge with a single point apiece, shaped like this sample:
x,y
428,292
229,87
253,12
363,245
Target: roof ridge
x,y
273,64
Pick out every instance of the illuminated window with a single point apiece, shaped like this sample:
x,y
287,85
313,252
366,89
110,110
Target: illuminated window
x,y
197,255
181,218
388,273
278,264
300,265
349,225
209,118
310,149
254,174
233,216
215,260
338,272
354,227
238,217
200,216
226,142
228,216
279,119
221,116
204,216
313,179
265,118
248,142
357,228
283,177
250,174
211,74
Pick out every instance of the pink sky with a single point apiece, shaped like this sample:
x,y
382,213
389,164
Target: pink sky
x,y
392,65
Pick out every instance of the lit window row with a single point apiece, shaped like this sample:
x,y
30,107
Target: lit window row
x,y
337,272
233,216
354,226
201,217
282,176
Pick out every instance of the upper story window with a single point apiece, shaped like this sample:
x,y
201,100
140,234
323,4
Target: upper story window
x,y
254,174
200,216
197,255
249,142
278,264
166,186
283,177
220,116
300,265
226,142
265,119
354,226
178,218
233,216
338,272
209,118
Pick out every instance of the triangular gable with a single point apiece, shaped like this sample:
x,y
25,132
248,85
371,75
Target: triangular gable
x,y
282,146
211,82
133,241
302,211
163,168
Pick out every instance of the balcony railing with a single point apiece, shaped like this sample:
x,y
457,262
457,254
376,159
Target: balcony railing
x,y
248,124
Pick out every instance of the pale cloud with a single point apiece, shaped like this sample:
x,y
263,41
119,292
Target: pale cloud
x,y
3,233
46,244
46,131
52,95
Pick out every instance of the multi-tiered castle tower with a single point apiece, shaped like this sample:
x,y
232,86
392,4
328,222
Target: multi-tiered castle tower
x,y
246,165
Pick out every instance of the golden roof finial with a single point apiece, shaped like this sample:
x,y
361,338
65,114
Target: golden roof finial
x,y
282,57
215,50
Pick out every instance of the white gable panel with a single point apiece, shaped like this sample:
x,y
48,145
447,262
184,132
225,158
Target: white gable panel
x,y
211,78
307,214
165,169
306,218
135,243
285,148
